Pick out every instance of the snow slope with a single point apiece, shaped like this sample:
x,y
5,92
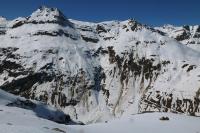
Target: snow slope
x,y
144,123
22,118
18,120
18,105
98,71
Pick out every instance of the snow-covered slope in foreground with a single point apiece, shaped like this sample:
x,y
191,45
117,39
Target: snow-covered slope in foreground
x,y
144,123
18,115
22,119
17,120
15,106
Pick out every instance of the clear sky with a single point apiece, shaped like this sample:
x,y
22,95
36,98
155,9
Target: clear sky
x,y
151,12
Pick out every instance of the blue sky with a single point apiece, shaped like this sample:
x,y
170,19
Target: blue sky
x,y
151,12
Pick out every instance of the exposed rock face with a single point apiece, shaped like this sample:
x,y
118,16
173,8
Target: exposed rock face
x,y
166,102
101,70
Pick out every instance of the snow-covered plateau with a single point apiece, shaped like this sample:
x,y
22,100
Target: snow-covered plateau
x,y
63,71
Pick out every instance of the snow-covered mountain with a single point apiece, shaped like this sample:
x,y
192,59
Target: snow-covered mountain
x,y
98,71
188,35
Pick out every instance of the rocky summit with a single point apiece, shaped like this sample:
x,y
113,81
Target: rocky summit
x,y
98,71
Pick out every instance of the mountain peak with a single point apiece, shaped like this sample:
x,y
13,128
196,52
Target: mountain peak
x,y
44,14
44,10
43,7
2,19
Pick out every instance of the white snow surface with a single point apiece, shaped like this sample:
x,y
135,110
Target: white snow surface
x,y
144,123
19,120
